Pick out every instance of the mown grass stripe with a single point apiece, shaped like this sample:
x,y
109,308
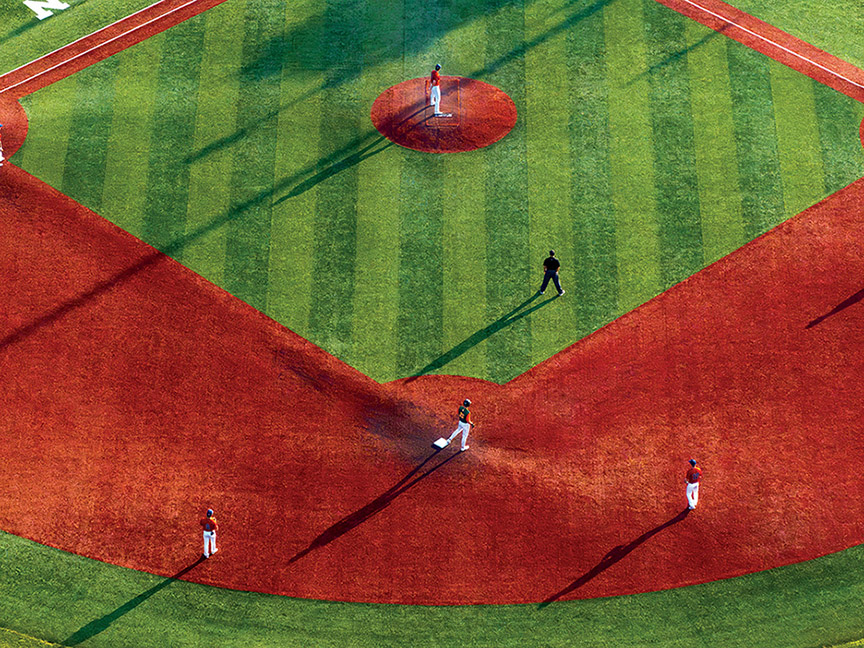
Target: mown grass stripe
x,y
680,225
45,147
128,149
714,138
755,140
292,226
421,256
376,274
343,135
464,226
465,262
420,320
173,130
247,238
631,153
508,252
547,112
211,158
594,286
798,143
84,175
842,155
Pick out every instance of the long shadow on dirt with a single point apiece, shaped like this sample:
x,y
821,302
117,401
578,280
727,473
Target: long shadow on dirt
x,y
374,507
846,303
614,556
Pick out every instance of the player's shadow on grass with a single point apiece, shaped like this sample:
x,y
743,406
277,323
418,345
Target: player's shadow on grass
x,y
103,623
374,507
614,556
846,303
486,332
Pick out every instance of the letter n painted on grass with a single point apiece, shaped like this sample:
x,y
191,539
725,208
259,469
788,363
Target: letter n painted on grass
x,y
43,8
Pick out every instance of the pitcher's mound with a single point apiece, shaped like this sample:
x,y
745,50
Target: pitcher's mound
x,y
474,115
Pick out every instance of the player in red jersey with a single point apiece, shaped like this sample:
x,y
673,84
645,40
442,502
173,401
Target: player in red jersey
x,y
465,425
692,480
435,92
209,525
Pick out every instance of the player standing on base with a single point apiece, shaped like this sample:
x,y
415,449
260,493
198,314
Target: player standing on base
x,y
692,480
465,425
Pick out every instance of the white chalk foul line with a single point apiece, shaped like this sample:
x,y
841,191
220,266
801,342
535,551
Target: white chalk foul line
x,y
36,60
100,45
774,43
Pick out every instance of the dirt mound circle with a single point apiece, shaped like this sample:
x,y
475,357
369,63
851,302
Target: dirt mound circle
x,y
475,114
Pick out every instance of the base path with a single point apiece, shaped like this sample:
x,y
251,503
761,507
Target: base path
x,y
137,394
476,114
99,45
775,43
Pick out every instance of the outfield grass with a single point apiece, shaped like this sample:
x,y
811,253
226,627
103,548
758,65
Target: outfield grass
x,y
66,599
647,147
836,27
23,37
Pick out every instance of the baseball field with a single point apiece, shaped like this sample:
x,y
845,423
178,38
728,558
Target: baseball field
x,y
227,287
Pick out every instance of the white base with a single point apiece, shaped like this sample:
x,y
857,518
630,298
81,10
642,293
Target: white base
x,y
441,443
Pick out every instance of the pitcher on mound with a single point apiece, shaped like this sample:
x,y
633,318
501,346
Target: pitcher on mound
x,y
435,92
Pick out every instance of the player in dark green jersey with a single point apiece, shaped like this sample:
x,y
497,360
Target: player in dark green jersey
x,y
465,425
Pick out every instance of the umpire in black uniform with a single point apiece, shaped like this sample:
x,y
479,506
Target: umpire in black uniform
x,y
550,269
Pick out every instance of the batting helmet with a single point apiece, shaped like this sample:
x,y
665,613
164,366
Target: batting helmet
x,y
209,512
437,66
466,402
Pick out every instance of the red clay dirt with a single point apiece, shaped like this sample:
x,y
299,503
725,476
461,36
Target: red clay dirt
x,y
138,394
15,124
479,115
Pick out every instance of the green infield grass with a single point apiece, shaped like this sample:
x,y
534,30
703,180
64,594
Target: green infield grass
x,y
62,598
836,27
239,142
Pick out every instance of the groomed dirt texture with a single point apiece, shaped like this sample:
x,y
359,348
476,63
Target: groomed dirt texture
x,y
479,114
14,121
137,395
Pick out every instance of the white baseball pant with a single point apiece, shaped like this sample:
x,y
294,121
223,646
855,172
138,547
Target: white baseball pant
x,y
464,428
692,494
209,536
